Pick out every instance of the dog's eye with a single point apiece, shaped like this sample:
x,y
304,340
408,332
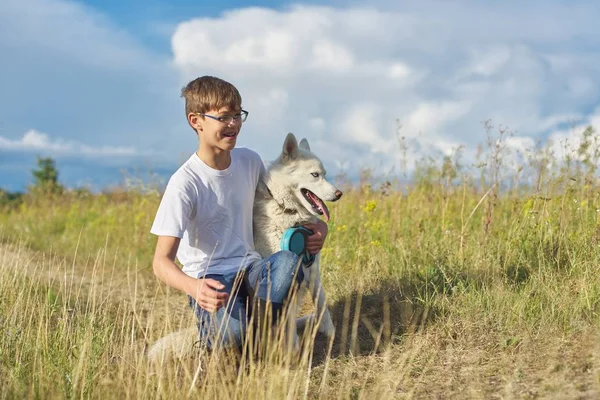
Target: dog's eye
x,y
315,174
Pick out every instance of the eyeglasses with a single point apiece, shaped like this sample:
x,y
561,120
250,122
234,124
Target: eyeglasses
x,y
228,119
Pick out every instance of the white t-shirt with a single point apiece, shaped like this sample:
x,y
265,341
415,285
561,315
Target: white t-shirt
x,y
211,212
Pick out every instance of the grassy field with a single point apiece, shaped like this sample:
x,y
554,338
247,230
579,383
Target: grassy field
x,y
453,287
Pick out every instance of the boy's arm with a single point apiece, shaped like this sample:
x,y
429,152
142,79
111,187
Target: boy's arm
x,y
315,242
205,291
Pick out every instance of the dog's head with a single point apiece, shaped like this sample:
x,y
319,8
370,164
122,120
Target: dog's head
x,y
297,179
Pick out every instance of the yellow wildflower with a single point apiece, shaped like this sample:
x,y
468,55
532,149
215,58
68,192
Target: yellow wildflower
x,y
370,206
341,228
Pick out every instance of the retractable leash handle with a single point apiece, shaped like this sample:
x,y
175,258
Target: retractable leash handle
x,y
294,240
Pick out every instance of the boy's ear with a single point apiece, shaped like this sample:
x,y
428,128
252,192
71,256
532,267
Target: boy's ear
x,y
195,121
290,148
304,144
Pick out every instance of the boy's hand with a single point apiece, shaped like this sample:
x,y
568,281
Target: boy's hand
x,y
208,296
315,241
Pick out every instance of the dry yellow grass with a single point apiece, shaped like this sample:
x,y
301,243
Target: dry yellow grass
x,y
446,289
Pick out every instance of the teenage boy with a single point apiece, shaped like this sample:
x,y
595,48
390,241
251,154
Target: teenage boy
x,y
205,220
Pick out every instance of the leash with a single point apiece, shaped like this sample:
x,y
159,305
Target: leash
x,y
294,240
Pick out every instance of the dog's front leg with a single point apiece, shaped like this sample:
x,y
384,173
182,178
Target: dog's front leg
x,y
320,301
291,334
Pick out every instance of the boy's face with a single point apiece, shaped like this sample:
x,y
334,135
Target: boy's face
x,y
216,134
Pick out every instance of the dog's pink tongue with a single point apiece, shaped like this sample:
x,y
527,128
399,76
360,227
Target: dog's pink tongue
x,y
323,208
325,212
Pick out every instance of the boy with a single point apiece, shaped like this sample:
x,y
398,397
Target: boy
x,y
205,220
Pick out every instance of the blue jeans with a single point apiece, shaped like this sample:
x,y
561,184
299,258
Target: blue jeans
x,y
269,279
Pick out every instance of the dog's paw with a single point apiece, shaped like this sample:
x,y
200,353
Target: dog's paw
x,y
326,327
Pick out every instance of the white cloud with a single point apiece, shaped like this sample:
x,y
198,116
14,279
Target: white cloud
x,y
399,70
487,62
304,40
430,117
328,55
440,68
566,142
317,125
520,144
362,126
338,76
34,140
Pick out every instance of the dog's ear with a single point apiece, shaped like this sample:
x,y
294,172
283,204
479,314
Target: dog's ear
x,y
304,145
290,148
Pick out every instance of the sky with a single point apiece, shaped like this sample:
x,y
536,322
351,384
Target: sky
x,y
96,84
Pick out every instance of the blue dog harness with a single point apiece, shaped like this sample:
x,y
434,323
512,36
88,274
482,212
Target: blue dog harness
x,y
294,240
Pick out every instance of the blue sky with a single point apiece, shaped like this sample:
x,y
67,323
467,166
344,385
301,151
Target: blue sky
x,y
96,84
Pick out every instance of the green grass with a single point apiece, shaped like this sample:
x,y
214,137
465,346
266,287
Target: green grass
x,y
448,288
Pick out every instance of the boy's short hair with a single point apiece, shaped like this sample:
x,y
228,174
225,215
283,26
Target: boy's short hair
x,y
210,93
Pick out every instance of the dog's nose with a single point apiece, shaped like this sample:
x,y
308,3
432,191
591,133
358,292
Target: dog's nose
x,y
338,194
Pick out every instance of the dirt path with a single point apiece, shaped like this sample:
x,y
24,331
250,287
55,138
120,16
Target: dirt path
x,y
115,285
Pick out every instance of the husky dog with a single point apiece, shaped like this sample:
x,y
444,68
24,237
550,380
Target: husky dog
x,y
291,193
